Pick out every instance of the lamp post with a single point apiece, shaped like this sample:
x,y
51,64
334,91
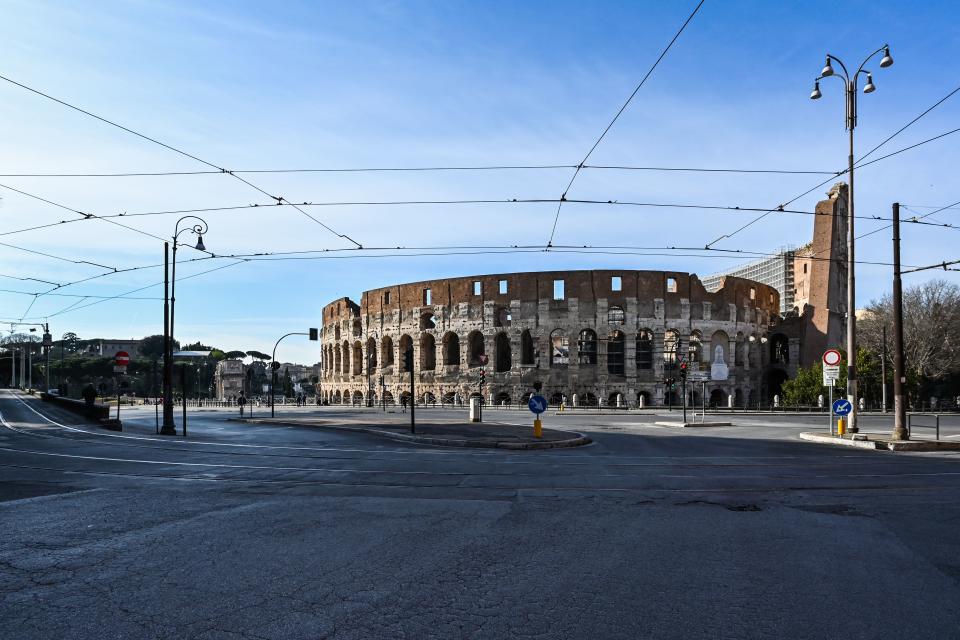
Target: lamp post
x,y
313,333
169,428
850,84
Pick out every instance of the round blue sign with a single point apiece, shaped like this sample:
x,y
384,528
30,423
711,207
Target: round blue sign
x,y
537,404
842,407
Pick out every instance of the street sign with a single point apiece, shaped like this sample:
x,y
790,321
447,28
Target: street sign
x,y
119,368
537,404
842,407
831,373
699,376
831,357
121,359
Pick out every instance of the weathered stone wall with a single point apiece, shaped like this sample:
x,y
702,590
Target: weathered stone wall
x,y
513,327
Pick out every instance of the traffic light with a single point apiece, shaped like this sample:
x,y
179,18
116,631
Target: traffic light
x,y
483,377
314,333
683,370
408,360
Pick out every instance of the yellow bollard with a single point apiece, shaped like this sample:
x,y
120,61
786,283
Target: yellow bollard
x,y
841,427
537,428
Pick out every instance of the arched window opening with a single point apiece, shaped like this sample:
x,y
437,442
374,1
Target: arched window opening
x,y
406,344
502,317
695,348
357,358
477,356
615,352
428,352
615,315
345,349
371,355
357,328
559,349
386,351
427,321
645,349
779,349
336,333
451,349
527,355
336,359
504,355
587,348
671,340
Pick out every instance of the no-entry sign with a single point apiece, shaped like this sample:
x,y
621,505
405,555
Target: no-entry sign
x,y
122,359
831,357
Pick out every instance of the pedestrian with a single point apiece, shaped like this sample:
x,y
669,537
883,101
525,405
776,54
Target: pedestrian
x,y
403,403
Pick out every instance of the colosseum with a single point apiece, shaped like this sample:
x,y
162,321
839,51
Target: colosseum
x,y
581,337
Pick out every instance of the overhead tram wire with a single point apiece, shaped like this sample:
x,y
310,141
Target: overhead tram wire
x,y
135,174
279,199
616,117
856,164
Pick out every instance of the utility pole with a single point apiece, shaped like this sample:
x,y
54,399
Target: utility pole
x,y
168,428
883,370
899,371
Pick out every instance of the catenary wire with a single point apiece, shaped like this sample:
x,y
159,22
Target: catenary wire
x,y
643,81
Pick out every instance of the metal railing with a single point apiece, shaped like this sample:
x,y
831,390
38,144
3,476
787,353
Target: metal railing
x,y
911,424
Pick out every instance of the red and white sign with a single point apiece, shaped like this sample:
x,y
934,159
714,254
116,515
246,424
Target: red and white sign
x,y
122,359
831,357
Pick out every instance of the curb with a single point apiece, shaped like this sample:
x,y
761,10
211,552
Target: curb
x,y
578,441
687,425
882,445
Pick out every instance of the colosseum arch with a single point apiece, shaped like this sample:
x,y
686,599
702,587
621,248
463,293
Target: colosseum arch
x,y
337,358
428,321
695,347
357,358
722,340
502,317
476,349
559,349
386,352
345,350
336,333
616,348
671,342
587,348
504,356
616,315
406,344
371,354
428,352
527,352
644,353
451,349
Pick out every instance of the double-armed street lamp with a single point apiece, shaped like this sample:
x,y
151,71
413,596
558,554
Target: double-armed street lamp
x,y
850,85
198,229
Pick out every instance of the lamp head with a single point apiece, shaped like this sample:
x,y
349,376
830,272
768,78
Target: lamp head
x,y
200,246
869,88
815,94
827,69
887,59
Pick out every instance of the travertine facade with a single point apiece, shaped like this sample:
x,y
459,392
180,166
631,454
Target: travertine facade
x,y
585,336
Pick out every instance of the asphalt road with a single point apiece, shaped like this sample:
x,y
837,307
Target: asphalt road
x,y
288,532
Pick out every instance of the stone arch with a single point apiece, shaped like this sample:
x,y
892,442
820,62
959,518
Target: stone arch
x,y
504,355
738,356
427,321
357,328
588,399
587,348
616,351
556,398
358,397
695,347
671,343
451,349
406,344
644,353
428,352
779,349
336,332
502,398
718,398
337,359
336,397
527,353
387,397
476,354
386,351
372,354
616,315
559,349
357,358
502,317
345,350
722,340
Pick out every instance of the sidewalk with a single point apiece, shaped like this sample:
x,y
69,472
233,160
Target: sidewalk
x,y
879,441
446,434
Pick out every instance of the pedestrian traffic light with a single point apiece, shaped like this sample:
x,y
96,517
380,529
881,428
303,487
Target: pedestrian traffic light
x,y
408,360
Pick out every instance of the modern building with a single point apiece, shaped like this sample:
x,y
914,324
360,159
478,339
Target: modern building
x,y
776,271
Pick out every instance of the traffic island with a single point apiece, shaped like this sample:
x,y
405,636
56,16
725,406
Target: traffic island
x,y
679,424
878,441
479,435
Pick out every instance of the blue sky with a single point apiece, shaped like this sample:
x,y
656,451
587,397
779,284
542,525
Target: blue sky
x,y
391,84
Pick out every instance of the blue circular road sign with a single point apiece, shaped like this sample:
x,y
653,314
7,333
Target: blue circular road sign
x,y
842,407
537,404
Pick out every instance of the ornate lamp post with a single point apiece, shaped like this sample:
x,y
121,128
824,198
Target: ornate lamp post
x,y
198,229
850,84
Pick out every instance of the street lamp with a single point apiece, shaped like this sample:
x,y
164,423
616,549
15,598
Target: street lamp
x,y
850,84
169,428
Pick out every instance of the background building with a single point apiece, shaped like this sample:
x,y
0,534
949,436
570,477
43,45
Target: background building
x,y
229,379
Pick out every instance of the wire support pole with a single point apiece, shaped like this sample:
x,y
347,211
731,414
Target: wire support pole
x,y
899,374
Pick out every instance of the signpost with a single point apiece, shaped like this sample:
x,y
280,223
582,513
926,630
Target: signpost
x,y
120,361
537,405
831,373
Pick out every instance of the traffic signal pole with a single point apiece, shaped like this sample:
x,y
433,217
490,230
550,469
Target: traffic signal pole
x,y
314,335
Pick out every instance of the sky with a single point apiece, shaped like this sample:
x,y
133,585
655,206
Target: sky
x,y
286,85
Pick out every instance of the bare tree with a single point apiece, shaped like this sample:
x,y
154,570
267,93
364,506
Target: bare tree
x,y
931,328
